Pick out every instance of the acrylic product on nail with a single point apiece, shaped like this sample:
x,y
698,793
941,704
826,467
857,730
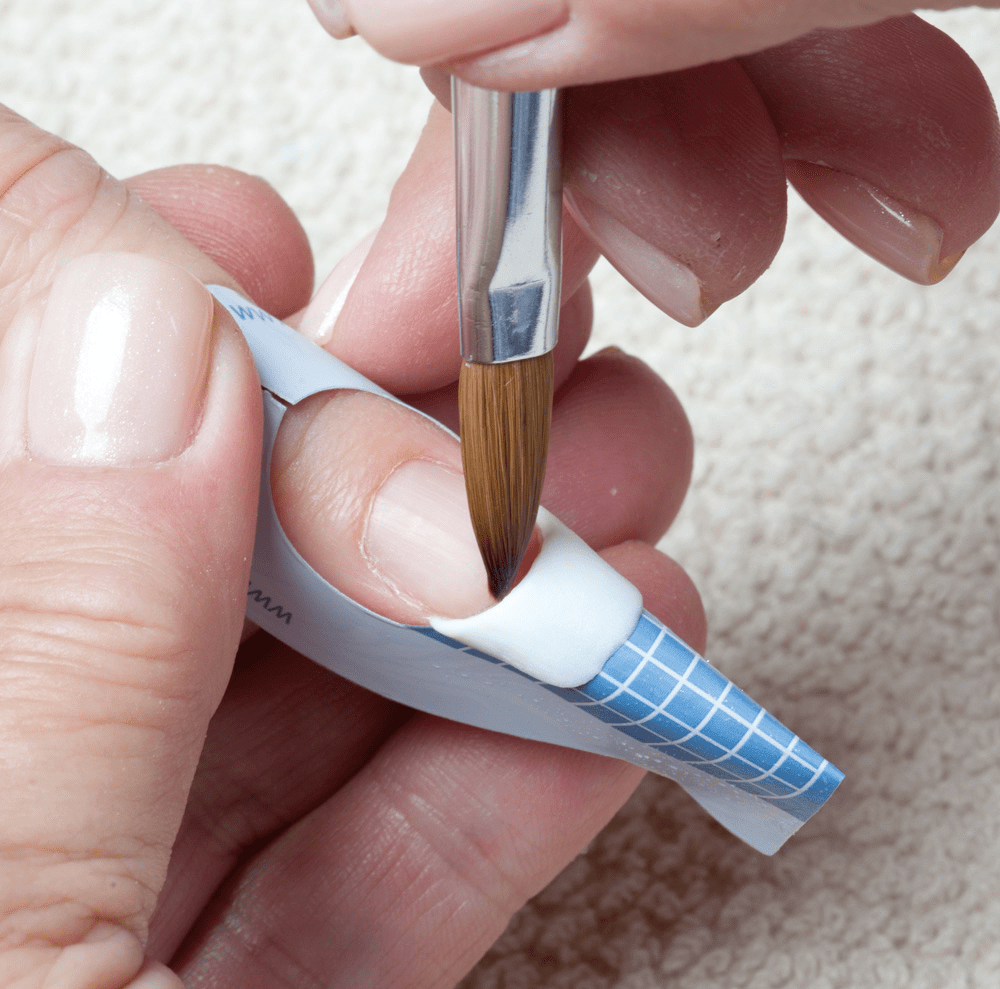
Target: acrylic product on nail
x,y
650,699
597,606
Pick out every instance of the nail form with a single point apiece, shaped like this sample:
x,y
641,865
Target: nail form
x,y
654,702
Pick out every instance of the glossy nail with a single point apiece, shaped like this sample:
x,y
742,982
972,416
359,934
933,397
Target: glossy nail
x,y
418,540
320,317
903,239
665,281
121,362
424,32
333,15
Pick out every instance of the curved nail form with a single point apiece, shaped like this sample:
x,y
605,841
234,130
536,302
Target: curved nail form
x,y
654,702
597,608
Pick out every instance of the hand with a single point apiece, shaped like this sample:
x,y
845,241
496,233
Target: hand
x,y
888,131
318,834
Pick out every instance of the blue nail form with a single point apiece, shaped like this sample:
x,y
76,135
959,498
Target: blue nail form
x,y
655,703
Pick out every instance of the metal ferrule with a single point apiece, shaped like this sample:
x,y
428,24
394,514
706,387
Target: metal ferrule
x,y
509,189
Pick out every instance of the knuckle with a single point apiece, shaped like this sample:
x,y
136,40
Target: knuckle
x,y
93,595
47,187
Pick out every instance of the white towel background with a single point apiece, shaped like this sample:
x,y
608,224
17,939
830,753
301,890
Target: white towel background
x,y
842,525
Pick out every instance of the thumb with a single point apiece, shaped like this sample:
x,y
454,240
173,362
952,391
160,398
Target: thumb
x,y
531,44
129,444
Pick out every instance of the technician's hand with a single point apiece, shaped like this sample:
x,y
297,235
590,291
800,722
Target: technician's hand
x,y
678,172
318,835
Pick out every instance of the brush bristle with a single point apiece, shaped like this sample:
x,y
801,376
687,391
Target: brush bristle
x,y
505,411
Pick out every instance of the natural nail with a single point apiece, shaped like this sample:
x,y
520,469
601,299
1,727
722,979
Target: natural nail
x,y
333,15
898,236
418,539
665,281
121,362
320,317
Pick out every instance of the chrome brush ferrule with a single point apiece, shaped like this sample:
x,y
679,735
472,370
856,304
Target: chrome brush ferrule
x,y
509,193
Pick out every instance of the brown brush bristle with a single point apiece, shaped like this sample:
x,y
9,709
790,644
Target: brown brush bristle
x,y
505,411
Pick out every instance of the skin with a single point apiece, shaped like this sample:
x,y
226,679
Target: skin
x,y
717,104
177,806
273,844
532,45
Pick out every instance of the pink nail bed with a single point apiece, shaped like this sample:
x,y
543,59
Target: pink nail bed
x,y
120,364
320,317
898,236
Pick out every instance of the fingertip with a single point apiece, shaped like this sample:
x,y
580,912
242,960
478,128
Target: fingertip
x,y
667,591
695,232
616,404
372,495
890,133
242,223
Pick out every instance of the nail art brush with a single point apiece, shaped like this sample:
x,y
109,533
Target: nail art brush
x,y
509,221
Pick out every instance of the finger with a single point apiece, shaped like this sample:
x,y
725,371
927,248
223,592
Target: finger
x,y
889,132
388,523
333,16
61,204
621,452
253,782
533,44
130,447
438,840
399,322
122,583
286,736
689,236
241,223
679,181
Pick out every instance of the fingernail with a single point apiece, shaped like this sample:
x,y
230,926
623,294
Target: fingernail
x,y
121,363
333,15
418,540
438,30
665,281
320,317
904,240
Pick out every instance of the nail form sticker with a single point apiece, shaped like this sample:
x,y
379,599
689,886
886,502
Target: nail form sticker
x,y
645,696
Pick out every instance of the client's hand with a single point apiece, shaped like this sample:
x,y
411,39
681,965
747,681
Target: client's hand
x,y
309,833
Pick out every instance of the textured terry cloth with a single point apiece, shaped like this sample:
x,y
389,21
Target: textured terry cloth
x,y
842,525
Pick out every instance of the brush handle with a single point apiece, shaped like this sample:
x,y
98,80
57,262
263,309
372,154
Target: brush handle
x,y
509,196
